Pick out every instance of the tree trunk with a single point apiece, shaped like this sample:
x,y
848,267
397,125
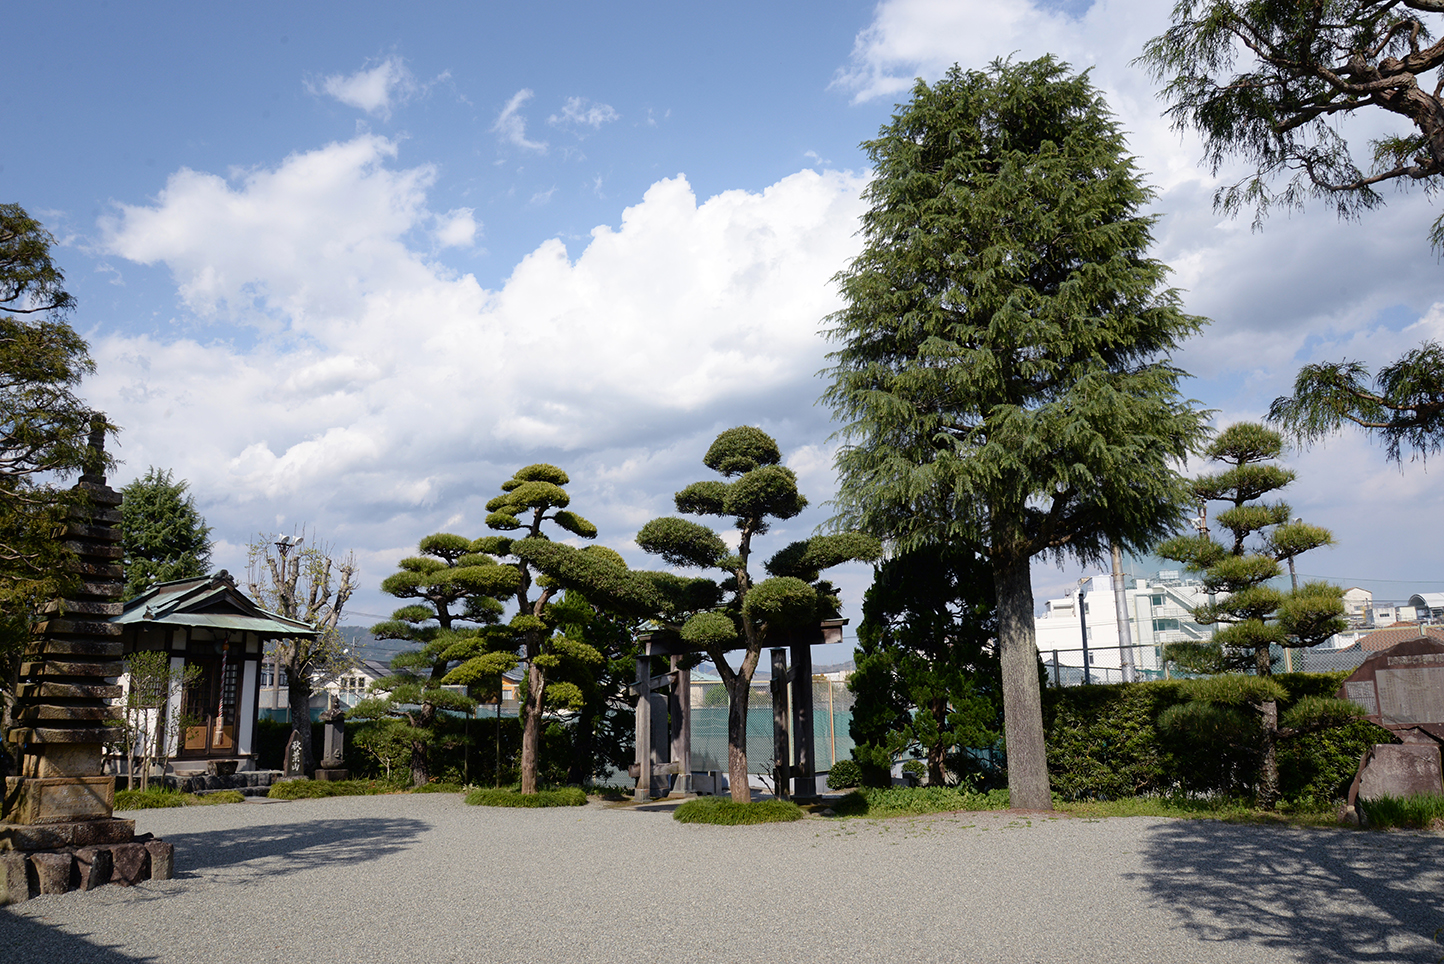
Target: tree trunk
x,y
420,768
739,693
531,726
298,699
1268,774
1022,703
938,751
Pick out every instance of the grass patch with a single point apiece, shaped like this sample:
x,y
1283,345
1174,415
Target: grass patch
x,y
317,789
437,786
153,798
916,801
220,796
489,797
726,812
1226,809
1417,812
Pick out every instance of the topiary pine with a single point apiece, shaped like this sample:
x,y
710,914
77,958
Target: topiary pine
x,y
733,612
1253,615
453,625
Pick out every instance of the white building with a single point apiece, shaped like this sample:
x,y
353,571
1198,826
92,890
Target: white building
x,y
1159,612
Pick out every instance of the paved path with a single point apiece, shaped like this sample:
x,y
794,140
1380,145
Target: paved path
x,y
427,879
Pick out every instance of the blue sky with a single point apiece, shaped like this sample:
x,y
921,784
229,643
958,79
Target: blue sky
x,y
348,266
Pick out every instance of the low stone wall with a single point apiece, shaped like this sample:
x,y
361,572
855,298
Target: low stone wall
x,y
24,875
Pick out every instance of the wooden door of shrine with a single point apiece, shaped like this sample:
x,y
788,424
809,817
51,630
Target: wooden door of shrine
x,y
209,707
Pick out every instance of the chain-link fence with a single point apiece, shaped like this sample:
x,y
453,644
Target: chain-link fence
x,y
831,718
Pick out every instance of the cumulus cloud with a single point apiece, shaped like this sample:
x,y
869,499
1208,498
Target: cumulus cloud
x,y
375,90
457,229
376,394
511,125
579,112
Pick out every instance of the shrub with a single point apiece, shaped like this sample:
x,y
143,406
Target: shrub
x,y
724,811
916,801
1418,812
438,786
875,763
508,797
916,769
844,773
316,789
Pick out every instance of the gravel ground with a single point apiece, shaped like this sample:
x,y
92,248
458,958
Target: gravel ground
x,y
426,878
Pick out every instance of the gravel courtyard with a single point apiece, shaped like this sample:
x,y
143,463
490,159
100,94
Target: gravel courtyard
x,y
428,879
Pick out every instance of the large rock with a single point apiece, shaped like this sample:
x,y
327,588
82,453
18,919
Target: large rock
x,y
1402,770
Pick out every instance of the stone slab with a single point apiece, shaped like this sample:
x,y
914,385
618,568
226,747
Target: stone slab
x,y
52,871
60,760
90,734
162,859
89,714
1402,770
332,775
108,669
58,799
53,836
95,550
93,648
14,878
67,691
83,607
131,864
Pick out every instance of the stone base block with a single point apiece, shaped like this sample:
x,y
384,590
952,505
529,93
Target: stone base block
x,y
130,864
14,878
162,859
332,775
52,871
54,836
1402,770
93,867
58,799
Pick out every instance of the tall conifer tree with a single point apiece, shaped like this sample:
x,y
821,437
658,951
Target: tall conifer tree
x,y
1003,377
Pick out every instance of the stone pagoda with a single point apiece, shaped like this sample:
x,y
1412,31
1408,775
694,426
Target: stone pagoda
x,y
57,829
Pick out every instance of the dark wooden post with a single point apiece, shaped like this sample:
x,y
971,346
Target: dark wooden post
x,y
781,752
804,774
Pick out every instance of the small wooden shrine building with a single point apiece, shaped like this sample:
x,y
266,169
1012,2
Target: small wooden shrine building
x,y
207,622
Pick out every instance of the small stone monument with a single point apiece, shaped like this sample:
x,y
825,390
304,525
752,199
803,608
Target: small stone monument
x,y
294,766
334,763
1402,690
57,827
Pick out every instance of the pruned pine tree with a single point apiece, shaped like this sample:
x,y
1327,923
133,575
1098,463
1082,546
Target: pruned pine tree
x,y
927,681
312,583
163,534
532,502
1275,84
732,613
1403,404
453,622
1253,616
1003,378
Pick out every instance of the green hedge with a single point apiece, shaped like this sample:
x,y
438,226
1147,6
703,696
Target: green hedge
x,y
726,812
508,797
1103,744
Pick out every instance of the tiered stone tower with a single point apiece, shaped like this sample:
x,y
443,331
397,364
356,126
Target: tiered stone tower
x,y
58,832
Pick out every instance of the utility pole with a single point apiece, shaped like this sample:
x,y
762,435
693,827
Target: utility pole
x,y
1083,625
1120,605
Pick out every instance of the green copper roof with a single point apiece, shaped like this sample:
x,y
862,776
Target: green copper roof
x,y
212,602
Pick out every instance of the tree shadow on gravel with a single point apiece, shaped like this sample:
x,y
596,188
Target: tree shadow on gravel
x,y
1328,896
289,848
25,940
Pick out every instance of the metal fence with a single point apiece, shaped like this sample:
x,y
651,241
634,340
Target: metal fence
x,y
831,718
1310,660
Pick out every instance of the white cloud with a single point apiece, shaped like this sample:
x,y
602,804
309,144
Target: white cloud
x,y
579,112
511,125
377,395
375,91
457,229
